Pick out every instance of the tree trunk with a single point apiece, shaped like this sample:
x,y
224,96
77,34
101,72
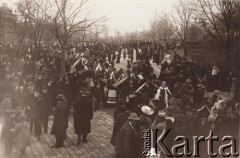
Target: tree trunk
x,y
62,70
185,51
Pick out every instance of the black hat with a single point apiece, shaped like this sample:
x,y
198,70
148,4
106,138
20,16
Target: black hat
x,y
84,92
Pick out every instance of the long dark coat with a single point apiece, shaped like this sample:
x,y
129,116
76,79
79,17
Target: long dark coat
x,y
83,114
126,142
121,119
37,112
47,103
60,122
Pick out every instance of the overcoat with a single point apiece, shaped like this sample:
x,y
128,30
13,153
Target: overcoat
x,y
83,114
60,122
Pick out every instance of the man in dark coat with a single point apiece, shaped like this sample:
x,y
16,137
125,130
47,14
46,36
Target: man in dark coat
x,y
186,94
121,119
127,138
83,114
120,108
60,122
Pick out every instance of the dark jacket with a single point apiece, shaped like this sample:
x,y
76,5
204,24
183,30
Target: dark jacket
x,y
126,142
47,103
118,124
83,114
37,109
60,122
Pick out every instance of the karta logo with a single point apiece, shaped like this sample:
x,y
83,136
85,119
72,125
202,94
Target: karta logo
x,y
180,145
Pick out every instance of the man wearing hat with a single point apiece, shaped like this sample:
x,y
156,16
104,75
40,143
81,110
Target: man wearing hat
x,y
60,122
186,94
83,114
144,125
120,119
127,138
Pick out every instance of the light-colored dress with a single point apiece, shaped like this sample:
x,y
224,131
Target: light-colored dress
x,y
22,135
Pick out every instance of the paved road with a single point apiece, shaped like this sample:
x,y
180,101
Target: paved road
x,y
98,145
123,64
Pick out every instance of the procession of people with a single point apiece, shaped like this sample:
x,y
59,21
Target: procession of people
x,y
186,97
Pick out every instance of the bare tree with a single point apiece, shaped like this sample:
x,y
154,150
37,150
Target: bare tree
x,y
21,29
106,31
34,18
65,19
221,22
96,30
182,21
153,26
117,34
164,28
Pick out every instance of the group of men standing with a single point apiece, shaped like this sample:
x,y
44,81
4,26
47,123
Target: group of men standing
x,y
90,74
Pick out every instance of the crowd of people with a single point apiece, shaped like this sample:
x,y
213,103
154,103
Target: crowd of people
x,y
187,98
33,88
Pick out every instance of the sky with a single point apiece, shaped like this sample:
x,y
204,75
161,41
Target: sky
x,y
124,15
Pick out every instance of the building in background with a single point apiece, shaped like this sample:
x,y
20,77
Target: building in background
x,y
7,19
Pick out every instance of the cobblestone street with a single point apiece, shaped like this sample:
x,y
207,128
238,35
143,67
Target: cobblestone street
x,y
98,145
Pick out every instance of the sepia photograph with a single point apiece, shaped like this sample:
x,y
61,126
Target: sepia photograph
x,y
119,78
